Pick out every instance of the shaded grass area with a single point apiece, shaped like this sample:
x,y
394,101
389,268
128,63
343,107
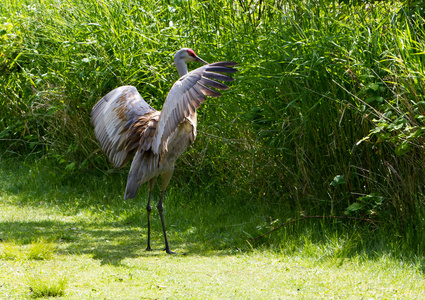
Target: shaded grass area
x,y
91,207
86,242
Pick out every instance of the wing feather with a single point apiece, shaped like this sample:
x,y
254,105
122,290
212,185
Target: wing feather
x,y
112,117
218,76
214,84
221,69
225,64
206,90
186,95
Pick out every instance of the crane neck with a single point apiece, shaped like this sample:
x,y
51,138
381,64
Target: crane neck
x,y
181,67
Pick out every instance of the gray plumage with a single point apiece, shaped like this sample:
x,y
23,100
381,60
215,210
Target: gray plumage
x,y
127,126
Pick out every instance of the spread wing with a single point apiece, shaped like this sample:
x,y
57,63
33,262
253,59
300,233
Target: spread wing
x,y
186,95
112,117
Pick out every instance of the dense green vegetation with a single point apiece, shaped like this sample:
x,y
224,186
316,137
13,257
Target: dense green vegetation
x,y
326,116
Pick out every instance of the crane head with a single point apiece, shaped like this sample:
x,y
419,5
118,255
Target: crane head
x,y
187,55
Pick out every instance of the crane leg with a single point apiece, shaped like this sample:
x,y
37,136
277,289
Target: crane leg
x,y
160,210
149,209
165,180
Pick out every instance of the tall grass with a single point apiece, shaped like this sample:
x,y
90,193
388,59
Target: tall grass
x,y
326,114
44,286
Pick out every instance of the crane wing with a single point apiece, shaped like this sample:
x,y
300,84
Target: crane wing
x,y
186,95
112,116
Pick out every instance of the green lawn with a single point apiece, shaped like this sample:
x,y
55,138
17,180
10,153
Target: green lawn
x,y
91,248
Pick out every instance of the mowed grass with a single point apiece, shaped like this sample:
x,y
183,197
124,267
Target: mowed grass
x,y
59,241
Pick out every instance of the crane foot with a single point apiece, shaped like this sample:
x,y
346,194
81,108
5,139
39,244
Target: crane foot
x,y
169,251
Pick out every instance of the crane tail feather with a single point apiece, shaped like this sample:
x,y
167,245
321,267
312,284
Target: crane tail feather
x,y
142,169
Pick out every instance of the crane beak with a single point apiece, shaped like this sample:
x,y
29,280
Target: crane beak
x,y
201,60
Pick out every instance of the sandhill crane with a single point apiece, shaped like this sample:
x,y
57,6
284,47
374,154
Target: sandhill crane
x,y
126,125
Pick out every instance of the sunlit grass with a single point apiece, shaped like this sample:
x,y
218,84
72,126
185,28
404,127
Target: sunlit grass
x,y
36,250
42,285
